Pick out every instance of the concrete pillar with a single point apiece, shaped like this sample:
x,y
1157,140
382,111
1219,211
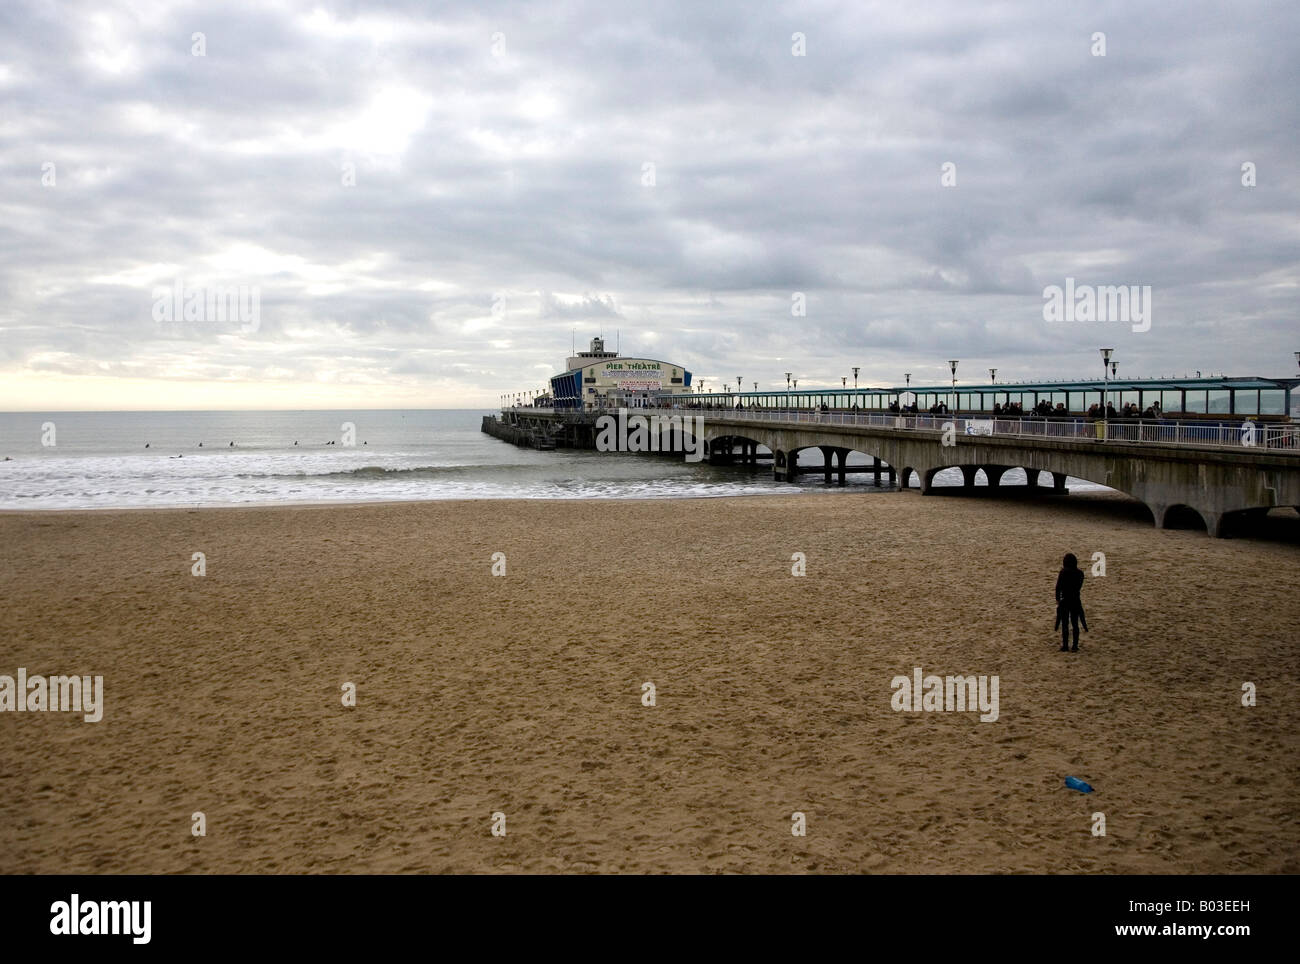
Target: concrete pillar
x,y
842,455
968,475
1158,512
994,475
927,481
891,475
875,470
792,467
1058,484
1031,477
828,459
1213,524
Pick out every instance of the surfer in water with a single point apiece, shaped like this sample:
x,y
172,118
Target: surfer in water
x,y
1069,608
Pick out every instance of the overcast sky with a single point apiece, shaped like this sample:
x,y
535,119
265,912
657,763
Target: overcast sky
x,y
430,198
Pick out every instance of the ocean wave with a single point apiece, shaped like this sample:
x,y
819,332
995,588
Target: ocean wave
x,y
380,472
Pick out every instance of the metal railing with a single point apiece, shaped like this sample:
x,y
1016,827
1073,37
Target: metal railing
x,y
1272,436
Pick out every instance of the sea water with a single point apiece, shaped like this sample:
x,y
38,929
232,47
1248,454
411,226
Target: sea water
x,y
86,460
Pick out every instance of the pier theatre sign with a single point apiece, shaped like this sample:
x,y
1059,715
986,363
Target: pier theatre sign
x,y
634,376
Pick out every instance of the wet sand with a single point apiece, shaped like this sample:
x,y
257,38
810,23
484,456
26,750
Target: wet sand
x,y
522,693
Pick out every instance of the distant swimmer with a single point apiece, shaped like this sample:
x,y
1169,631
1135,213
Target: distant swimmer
x,y
1069,608
200,445
146,444
232,445
295,441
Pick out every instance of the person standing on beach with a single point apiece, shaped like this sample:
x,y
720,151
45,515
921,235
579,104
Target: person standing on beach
x,y
1069,608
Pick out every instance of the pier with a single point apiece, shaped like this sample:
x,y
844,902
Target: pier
x,y
1216,465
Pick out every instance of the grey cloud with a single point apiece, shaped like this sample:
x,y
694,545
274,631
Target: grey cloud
x,y
774,174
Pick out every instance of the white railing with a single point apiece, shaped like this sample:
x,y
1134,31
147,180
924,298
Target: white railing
x,y
1232,435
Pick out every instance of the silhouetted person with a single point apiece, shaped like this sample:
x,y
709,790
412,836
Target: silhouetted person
x,y
1069,608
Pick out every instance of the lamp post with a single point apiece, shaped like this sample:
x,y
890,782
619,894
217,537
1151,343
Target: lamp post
x,y
1297,358
952,363
855,372
1105,371
993,376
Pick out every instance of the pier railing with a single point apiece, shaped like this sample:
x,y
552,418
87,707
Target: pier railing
x,y
1218,435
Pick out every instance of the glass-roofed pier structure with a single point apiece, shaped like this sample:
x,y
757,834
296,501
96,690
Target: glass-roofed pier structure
x,y
1246,396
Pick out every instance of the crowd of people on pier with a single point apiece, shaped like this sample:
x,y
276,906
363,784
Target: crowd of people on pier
x,y
1130,410
1044,409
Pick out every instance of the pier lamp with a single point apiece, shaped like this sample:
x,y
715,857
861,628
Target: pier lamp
x,y
737,384
907,379
993,376
855,373
1297,358
1105,372
952,363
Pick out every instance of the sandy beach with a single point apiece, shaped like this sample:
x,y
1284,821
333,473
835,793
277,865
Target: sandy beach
x,y
522,694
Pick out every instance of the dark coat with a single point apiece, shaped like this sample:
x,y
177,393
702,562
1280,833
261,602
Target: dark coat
x,y
1068,584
